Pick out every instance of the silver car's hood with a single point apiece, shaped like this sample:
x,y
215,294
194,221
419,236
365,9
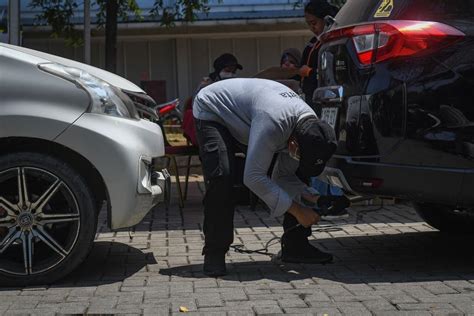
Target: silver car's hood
x,y
108,77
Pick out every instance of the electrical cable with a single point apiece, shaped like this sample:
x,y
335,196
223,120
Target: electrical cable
x,y
264,250
273,241
239,248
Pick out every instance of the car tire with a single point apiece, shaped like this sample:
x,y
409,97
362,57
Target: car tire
x,y
48,220
446,218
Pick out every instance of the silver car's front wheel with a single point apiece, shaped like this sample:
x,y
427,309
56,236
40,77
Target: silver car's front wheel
x,y
47,218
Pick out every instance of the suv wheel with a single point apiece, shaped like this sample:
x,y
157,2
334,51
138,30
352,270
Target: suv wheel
x,y
48,219
446,218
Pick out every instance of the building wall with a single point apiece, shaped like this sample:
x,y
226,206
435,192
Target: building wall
x,y
182,62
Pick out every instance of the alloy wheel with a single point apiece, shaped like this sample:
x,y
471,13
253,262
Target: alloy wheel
x,y
39,221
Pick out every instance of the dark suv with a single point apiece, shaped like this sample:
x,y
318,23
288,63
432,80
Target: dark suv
x,y
397,84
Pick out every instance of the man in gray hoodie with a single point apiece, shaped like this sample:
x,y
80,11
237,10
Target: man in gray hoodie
x,y
263,118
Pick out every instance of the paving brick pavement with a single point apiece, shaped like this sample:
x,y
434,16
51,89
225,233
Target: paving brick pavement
x,y
388,262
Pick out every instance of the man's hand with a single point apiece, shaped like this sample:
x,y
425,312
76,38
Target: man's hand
x,y
311,198
304,215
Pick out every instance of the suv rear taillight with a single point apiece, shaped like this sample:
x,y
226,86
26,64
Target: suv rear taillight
x,y
376,42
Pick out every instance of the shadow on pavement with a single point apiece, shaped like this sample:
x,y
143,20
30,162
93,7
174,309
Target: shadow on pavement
x,y
108,262
398,258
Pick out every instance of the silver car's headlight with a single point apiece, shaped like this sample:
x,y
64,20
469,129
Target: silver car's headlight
x,y
106,99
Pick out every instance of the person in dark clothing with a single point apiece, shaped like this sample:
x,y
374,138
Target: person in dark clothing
x,y
314,12
290,58
225,67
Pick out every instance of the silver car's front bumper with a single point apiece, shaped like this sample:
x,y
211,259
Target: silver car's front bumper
x,y
122,151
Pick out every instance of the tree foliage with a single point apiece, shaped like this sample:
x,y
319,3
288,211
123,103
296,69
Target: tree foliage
x,y
302,3
182,10
59,14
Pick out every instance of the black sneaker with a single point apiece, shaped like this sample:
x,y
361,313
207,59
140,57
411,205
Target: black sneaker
x,y
336,215
214,265
305,253
330,207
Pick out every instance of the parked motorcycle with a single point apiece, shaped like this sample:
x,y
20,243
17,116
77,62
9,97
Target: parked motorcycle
x,y
170,116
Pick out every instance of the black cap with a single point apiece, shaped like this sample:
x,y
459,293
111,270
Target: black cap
x,y
317,143
226,60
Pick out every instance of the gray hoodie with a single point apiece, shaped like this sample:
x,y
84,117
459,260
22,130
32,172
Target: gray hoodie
x,y
261,114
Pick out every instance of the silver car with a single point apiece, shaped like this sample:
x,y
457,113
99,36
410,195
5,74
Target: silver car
x,y
70,139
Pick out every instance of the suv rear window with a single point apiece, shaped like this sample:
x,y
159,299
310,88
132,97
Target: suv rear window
x,y
436,9
357,11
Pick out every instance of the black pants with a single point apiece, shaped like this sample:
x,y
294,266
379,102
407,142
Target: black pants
x,y
217,149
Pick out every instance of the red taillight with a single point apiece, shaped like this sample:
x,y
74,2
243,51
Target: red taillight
x,y
371,183
377,42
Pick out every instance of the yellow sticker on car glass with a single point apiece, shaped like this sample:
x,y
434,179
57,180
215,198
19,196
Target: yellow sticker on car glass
x,y
385,9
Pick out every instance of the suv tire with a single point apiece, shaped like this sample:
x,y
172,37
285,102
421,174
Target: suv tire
x,y
446,218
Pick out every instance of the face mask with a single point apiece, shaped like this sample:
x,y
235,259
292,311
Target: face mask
x,y
226,75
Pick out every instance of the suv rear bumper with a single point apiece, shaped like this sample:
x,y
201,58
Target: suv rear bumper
x,y
434,185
